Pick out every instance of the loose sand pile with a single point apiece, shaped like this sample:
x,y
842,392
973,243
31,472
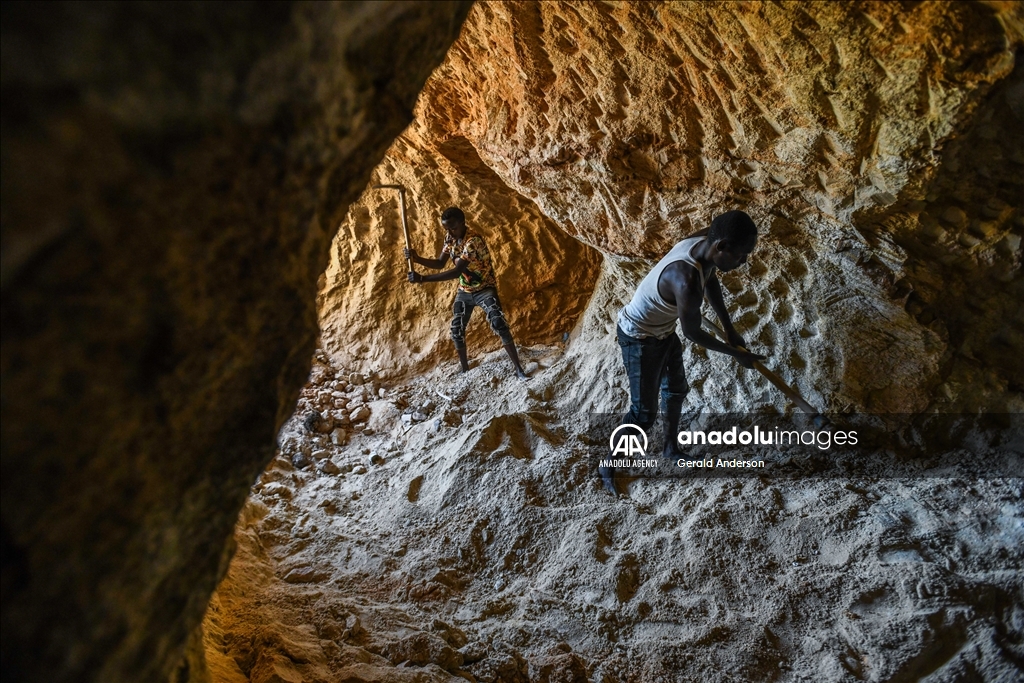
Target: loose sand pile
x,y
478,541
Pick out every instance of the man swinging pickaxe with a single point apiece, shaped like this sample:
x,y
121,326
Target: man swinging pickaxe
x,y
477,284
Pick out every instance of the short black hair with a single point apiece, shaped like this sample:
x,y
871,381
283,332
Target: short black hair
x,y
453,213
734,227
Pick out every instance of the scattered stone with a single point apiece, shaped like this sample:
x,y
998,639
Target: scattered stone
x,y
994,208
281,463
473,652
452,635
422,649
883,198
360,414
451,418
277,490
1010,243
328,467
377,459
955,216
320,454
359,469
339,437
985,229
418,416
968,240
559,665
507,667
305,574
382,392
353,627
531,368
356,379
499,584
300,460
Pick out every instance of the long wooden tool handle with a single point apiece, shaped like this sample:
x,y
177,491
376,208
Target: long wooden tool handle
x,y
405,225
789,391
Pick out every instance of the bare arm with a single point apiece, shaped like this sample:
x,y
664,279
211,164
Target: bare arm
x,y
435,263
713,292
684,283
451,274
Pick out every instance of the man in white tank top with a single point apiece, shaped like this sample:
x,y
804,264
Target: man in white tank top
x,y
674,290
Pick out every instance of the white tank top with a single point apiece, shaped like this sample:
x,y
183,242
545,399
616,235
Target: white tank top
x,y
648,314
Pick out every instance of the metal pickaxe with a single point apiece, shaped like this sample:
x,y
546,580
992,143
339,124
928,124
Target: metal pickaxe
x,y
405,223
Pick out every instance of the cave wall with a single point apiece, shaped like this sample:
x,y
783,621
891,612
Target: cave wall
x,y
878,147
172,175
172,180
372,318
631,125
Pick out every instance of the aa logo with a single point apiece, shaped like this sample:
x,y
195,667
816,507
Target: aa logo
x,y
628,444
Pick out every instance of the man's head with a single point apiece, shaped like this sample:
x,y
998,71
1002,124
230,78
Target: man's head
x,y
732,237
454,221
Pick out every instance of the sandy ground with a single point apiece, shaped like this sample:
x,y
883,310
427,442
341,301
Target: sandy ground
x,y
477,544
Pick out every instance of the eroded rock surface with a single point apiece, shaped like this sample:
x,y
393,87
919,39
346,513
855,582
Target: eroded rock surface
x,y
877,146
172,177
632,125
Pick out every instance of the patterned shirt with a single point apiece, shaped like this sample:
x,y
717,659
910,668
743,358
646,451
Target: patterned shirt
x,y
473,250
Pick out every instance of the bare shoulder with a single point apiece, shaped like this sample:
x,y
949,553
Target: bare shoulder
x,y
679,278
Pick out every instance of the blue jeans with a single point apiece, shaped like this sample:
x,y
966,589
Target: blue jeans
x,y
654,365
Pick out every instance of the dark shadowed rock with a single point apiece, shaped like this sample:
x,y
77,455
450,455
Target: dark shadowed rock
x,y
172,176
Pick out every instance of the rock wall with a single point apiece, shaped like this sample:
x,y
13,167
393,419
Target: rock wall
x,y
631,125
172,178
878,147
372,318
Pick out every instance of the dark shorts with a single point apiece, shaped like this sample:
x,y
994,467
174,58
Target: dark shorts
x,y
462,309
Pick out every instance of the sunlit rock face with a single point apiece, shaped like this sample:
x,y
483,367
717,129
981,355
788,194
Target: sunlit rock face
x,y
879,284
172,177
372,318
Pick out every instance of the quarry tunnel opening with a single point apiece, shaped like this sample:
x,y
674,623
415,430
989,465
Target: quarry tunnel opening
x,y
439,537
417,524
